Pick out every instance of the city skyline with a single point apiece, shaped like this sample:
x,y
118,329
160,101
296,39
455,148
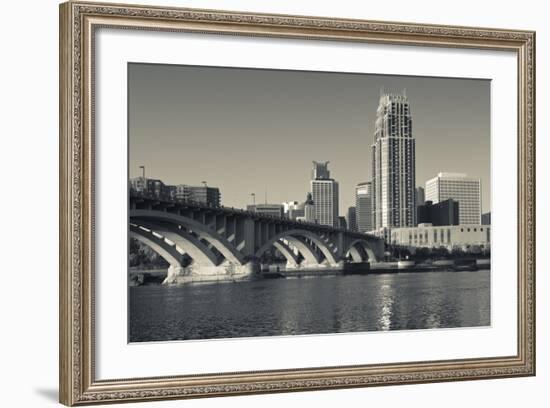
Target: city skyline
x,y
277,156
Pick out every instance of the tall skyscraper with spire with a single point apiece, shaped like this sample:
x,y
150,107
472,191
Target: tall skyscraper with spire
x,y
393,163
324,191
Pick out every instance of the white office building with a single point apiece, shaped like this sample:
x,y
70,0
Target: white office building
x,y
461,188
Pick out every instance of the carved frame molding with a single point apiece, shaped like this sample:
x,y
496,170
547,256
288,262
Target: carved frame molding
x,y
78,21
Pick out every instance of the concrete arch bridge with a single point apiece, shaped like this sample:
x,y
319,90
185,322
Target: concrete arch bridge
x,y
203,243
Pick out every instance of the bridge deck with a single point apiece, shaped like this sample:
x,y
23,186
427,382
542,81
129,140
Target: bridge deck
x,y
139,201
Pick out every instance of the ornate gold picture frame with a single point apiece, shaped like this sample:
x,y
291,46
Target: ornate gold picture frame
x,y
78,24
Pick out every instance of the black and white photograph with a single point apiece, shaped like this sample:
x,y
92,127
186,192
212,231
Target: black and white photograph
x,y
277,202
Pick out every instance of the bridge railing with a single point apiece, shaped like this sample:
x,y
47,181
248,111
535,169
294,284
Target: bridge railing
x,y
151,196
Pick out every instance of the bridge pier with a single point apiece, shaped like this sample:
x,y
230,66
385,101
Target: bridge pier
x,y
292,265
226,271
173,273
324,264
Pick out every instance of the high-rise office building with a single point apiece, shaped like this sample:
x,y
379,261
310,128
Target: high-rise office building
x,y
363,206
420,202
352,219
459,187
393,164
325,197
420,196
324,191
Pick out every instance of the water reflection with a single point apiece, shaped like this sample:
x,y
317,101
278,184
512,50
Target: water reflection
x,y
310,306
386,300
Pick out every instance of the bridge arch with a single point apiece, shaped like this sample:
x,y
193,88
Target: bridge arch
x,y
294,237
310,256
288,253
168,252
355,253
291,258
197,250
227,249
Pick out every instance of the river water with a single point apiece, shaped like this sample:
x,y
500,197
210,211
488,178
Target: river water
x,y
330,304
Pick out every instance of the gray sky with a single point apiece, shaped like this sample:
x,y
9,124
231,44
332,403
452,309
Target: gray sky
x,y
251,130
